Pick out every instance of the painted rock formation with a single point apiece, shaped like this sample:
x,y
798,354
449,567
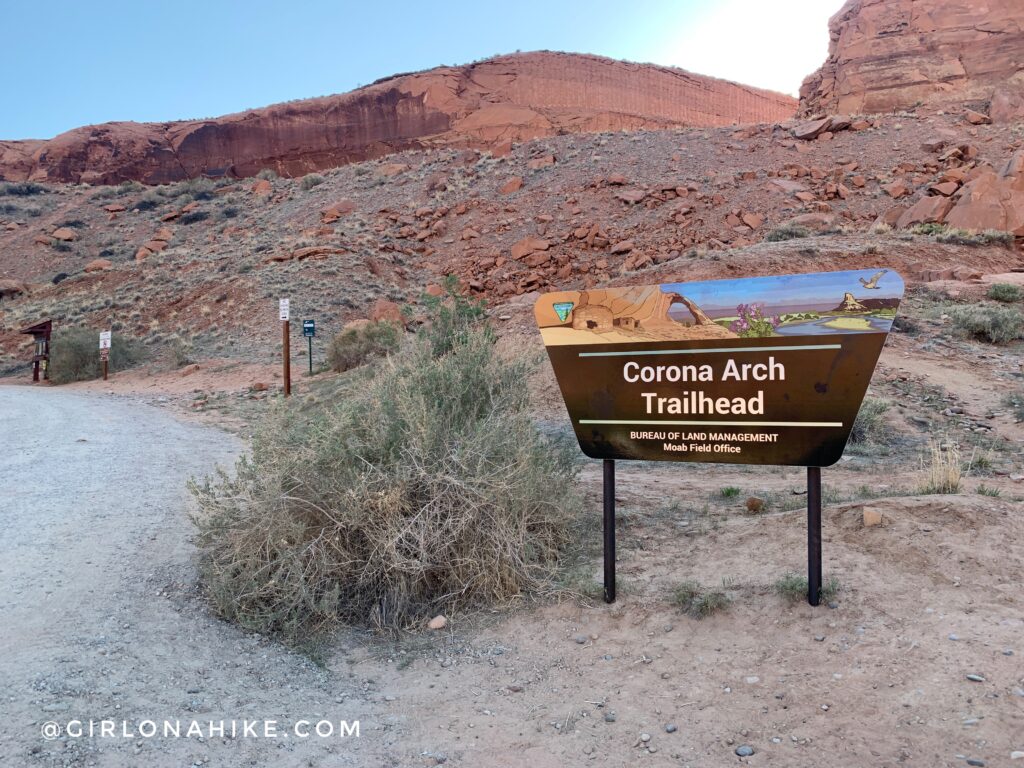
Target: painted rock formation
x,y
893,54
484,105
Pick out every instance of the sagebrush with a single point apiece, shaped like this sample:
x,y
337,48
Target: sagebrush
x,y
427,489
355,346
75,355
994,324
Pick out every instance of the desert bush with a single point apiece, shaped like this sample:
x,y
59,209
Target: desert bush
x,y
193,216
869,428
793,587
699,601
309,181
988,237
267,174
453,317
149,201
942,468
427,489
787,232
355,346
21,189
228,211
1004,292
943,233
994,324
1015,402
75,355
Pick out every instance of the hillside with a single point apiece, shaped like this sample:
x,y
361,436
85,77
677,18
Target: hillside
x,y
205,261
484,105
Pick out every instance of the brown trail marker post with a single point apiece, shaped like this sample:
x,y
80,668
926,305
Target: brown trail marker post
x,y
104,351
761,370
286,343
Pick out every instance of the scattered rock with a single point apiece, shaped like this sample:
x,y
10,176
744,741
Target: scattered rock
x,y
744,750
514,184
98,265
66,234
438,622
383,309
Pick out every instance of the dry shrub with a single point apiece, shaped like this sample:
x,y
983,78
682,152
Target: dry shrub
x,y
870,427
428,489
942,468
994,324
75,354
355,346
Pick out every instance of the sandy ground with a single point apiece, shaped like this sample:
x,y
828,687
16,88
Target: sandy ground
x,y
102,621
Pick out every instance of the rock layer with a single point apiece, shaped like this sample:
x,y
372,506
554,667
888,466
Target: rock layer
x,y
894,54
483,105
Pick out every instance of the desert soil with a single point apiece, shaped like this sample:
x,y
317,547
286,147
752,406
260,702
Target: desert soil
x,y
103,620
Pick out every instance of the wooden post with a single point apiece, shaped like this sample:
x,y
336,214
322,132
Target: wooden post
x,y
287,360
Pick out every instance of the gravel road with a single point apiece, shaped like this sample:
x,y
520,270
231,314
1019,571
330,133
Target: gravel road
x,y
99,616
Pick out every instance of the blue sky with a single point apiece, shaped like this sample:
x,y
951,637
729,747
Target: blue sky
x,y
782,290
73,63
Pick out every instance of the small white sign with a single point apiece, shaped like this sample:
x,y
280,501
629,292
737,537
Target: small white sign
x,y
104,339
284,309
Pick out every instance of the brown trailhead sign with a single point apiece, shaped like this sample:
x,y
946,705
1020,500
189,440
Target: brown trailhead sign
x,y
762,370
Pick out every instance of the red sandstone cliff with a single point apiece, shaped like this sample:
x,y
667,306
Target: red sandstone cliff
x,y
893,54
516,97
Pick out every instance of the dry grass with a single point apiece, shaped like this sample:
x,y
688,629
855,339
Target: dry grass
x,y
942,468
426,489
699,601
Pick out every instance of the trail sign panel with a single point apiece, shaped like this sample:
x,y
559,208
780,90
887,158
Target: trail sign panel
x,y
283,307
104,339
764,370
309,327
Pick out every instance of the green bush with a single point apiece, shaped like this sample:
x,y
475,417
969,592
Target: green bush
x,y
1004,292
309,181
870,427
787,232
75,354
427,489
267,174
997,325
355,346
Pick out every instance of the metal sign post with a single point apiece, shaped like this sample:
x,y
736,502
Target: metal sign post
x,y
286,343
762,370
309,331
104,351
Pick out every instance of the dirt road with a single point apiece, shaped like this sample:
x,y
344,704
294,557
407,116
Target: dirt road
x,y
99,616
915,663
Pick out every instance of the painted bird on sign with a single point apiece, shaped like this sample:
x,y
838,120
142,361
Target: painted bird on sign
x,y
873,282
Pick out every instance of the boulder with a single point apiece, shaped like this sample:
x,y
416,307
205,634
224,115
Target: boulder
x,y
10,289
896,189
811,129
993,200
98,265
927,210
976,118
528,245
514,184
389,311
66,234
